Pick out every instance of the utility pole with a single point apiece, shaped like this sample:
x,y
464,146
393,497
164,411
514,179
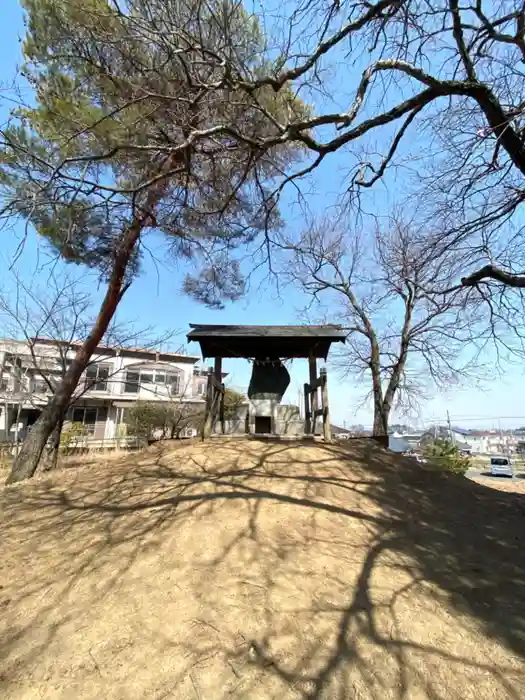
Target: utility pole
x,y
452,437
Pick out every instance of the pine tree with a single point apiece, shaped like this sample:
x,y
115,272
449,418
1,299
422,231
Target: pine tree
x,y
137,126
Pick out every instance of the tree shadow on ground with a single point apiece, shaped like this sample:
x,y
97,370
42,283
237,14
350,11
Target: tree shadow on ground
x,y
318,571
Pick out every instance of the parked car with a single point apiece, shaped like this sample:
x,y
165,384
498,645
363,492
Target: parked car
x,y
501,466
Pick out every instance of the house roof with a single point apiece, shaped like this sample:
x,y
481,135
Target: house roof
x,y
265,341
338,429
134,351
459,431
463,446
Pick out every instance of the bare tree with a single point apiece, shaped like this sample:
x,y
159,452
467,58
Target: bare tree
x,y
169,415
402,342
53,321
440,103
176,412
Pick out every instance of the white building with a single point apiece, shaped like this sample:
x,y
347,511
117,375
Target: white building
x,y
491,442
407,442
416,441
477,442
113,381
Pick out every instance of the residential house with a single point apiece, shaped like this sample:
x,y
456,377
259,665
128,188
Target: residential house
x,y
409,442
415,441
341,433
114,380
491,442
441,432
488,442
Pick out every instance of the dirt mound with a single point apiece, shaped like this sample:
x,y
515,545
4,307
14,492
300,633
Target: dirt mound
x,y
250,570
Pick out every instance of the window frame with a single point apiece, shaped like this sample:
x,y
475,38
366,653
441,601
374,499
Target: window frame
x,y
169,383
135,383
39,386
160,373
169,378
97,382
90,427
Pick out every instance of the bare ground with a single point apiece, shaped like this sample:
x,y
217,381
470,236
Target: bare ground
x,y
503,484
243,569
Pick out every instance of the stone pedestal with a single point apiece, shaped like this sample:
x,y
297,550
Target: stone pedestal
x,y
268,416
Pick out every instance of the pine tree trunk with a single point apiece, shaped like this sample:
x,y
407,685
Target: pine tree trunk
x,y
28,458
50,461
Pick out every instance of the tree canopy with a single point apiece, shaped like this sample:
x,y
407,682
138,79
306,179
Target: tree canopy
x,y
437,85
135,121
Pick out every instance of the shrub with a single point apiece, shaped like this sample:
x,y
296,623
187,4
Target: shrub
x,y
172,419
445,455
233,400
70,436
145,417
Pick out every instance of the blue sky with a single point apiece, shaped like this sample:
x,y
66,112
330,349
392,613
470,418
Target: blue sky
x,y
155,297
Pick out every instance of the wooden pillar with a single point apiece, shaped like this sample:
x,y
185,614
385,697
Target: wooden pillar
x,y
248,418
312,364
208,414
307,415
327,428
221,409
216,390
218,369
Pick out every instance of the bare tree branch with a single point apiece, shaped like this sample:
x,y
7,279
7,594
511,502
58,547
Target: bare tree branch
x,y
402,341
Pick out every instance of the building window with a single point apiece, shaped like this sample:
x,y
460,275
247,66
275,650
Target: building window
x,y
132,382
88,418
40,386
144,378
173,383
97,377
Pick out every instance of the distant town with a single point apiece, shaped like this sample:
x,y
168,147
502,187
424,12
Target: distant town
x,y
404,438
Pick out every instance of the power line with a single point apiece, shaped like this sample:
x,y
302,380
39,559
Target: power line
x,y
473,418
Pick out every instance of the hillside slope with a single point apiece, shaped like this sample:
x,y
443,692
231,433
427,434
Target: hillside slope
x,y
250,570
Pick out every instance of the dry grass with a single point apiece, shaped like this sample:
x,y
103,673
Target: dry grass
x,y
88,458
503,484
251,570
